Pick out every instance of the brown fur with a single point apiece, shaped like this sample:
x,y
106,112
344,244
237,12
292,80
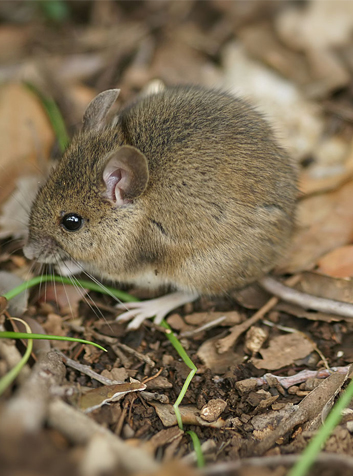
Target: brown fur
x,y
218,210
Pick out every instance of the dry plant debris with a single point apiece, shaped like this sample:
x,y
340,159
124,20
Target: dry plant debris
x,y
294,61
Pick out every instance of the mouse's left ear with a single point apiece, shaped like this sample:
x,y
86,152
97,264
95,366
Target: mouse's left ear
x,y
125,175
97,110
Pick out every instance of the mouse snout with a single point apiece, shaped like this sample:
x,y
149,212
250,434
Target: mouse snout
x,y
45,249
28,251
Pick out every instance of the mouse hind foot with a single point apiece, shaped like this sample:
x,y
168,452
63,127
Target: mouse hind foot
x,y
137,312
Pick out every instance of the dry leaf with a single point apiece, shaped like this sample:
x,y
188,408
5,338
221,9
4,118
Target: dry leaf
x,y
18,304
53,326
284,350
15,211
333,167
324,223
297,120
319,24
326,286
218,363
338,263
25,135
100,396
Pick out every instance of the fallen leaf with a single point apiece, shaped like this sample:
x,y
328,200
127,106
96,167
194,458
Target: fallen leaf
x,y
284,350
326,286
325,222
25,135
218,363
297,120
54,326
15,210
317,24
338,263
97,397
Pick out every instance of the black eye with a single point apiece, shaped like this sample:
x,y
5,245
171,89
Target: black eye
x,y
72,222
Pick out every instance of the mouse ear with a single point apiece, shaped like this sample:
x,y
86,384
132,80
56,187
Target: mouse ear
x,y
125,175
97,110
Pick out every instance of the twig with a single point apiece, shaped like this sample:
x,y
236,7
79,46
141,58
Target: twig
x,y
223,345
138,355
298,378
306,301
86,369
26,411
79,429
232,467
309,409
205,327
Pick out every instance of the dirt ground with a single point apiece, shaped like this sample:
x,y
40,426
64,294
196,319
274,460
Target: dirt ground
x,y
261,391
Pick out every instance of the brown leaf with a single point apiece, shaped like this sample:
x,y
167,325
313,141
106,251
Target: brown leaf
x,y
338,263
25,132
324,223
284,350
218,363
326,286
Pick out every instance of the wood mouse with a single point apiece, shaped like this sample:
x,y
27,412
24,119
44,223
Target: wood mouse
x,y
188,188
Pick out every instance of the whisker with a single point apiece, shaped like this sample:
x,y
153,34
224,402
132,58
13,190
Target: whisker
x,y
77,286
55,289
96,281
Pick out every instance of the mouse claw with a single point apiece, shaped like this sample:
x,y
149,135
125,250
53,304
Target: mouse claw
x,y
158,308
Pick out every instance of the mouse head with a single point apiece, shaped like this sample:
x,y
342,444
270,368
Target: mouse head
x,y
89,210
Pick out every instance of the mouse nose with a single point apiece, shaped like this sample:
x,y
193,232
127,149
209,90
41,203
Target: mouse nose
x,y
28,251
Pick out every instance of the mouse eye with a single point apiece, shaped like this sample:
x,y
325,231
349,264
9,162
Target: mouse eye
x,y
72,222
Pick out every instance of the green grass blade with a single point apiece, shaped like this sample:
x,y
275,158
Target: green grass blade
x,y
178,347
55,10
197,448
7,379
90,285
24,335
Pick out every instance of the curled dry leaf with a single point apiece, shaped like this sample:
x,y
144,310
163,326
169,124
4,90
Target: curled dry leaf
x,y
255,338
333,167
190,416
284,350
15,210
97,397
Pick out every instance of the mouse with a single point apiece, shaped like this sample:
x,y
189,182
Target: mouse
x,y
187,187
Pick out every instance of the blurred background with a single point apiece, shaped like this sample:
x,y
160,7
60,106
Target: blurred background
x,y
292,59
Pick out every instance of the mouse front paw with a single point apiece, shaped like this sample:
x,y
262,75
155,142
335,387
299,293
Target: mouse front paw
x,y
137,312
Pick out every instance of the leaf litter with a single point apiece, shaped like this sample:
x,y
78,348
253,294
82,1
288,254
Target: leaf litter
x,y
294,62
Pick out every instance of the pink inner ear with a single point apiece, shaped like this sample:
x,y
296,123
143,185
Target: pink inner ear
x,y
125,175
115,180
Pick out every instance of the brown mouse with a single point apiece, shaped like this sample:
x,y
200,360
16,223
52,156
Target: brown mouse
x,y
188,188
